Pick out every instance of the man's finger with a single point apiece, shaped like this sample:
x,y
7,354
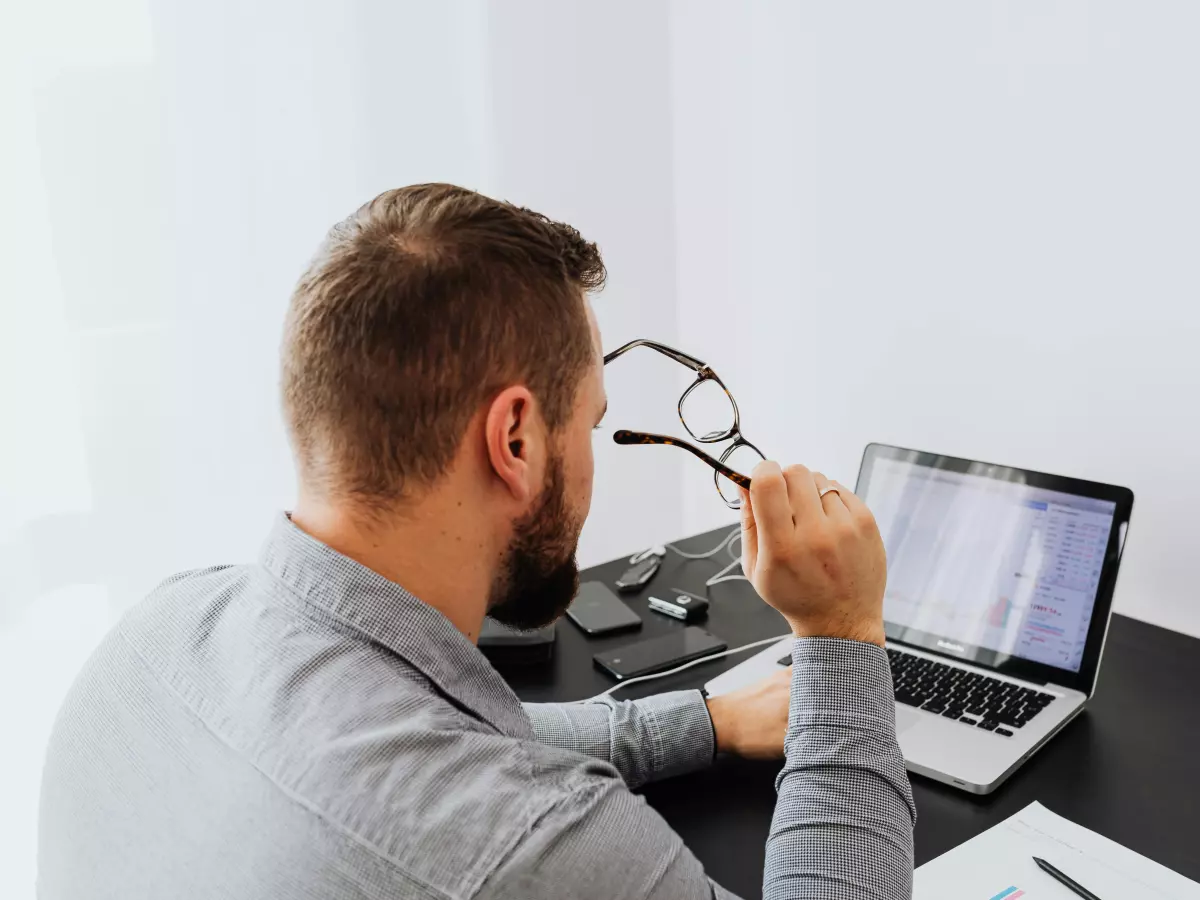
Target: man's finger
x,y
772,512
802,494
853,502
831,500
749,534
850,499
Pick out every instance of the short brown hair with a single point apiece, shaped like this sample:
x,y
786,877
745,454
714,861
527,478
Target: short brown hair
x,y
422,305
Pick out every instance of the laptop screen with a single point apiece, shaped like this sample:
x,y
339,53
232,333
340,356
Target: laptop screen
x,y
982,560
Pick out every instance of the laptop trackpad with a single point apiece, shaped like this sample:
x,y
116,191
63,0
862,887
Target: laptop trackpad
x,y
906,718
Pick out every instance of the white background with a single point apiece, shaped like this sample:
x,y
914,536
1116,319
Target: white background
x,y
964,227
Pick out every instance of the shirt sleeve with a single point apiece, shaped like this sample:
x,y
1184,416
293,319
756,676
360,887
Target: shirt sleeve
x,y
602,842
842,828
645,740
843,823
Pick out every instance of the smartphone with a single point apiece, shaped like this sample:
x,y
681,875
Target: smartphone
x,y
658,654
597,610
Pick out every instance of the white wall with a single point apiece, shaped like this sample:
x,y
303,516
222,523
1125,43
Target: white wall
x,y
581,117
961,227
968,228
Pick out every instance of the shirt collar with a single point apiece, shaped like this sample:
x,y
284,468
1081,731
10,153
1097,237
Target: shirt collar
x,y
386,613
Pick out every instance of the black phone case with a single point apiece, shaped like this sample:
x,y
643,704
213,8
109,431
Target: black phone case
x,y
633,622
604,660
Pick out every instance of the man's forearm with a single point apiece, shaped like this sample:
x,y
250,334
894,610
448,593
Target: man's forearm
x,y
844,817
843,823
648,739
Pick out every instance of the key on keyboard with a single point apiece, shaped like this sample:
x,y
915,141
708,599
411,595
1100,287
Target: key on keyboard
x,y
973,698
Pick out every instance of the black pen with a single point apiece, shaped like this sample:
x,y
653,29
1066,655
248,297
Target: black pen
x,y
1059,876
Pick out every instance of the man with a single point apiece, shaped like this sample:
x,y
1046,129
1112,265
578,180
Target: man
x,y
321,724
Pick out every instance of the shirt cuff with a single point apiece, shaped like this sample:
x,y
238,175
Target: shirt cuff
x,y
841,683
681,732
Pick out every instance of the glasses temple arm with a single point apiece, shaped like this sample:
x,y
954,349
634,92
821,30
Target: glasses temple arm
x,y
678,355
642,437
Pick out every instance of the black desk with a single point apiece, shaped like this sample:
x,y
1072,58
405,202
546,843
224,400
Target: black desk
x,y
1128,768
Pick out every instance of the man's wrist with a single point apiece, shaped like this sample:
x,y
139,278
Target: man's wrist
x,y
866,632
723,724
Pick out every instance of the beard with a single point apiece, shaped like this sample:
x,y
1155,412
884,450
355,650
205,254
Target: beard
x,y
539,577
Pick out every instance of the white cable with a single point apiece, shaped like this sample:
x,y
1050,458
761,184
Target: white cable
x,y
722,576
715,581
727,543
713,552
737,537
694,662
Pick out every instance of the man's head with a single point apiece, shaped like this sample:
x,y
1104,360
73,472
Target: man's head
x,y
441,345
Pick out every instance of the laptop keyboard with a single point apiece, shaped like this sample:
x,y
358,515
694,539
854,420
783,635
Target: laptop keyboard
x,y
970,697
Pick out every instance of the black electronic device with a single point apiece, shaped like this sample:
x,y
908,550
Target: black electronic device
x,y
684,607
658,654
507,647
637,575
597,610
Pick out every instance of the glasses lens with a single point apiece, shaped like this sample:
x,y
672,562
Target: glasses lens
x,y
742,459
707,412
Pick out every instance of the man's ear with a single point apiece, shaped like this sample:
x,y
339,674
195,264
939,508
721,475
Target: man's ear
x,y
515,445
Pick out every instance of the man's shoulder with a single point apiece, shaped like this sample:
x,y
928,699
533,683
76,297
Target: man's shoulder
x,y
448,804
364,740
175,600
186,611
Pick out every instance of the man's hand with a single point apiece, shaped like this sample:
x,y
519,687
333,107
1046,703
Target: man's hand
x,y
818,560
752,721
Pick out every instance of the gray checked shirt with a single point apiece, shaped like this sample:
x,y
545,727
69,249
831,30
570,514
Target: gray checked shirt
x,y
303,728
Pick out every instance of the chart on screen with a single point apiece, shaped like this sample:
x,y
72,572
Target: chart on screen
x,y
992,564
998,865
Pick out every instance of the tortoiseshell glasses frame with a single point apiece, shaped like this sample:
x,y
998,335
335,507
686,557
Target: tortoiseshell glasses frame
x,y
704,373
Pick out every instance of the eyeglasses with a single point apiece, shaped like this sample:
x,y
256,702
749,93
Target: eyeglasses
x,y
710,415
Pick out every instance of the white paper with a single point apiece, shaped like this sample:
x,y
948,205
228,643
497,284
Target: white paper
x,y
998,865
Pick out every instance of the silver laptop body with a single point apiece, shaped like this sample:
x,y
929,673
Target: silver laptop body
x,y
1000,587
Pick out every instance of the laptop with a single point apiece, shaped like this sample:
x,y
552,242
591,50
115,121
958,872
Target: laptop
x,y
1000,587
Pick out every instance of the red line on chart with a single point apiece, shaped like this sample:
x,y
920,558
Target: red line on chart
x,y
1049,629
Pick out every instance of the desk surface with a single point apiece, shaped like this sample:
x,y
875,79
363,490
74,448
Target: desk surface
x,y
1128,768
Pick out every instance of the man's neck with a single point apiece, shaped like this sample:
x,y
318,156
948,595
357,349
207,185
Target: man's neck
x,y
434,550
